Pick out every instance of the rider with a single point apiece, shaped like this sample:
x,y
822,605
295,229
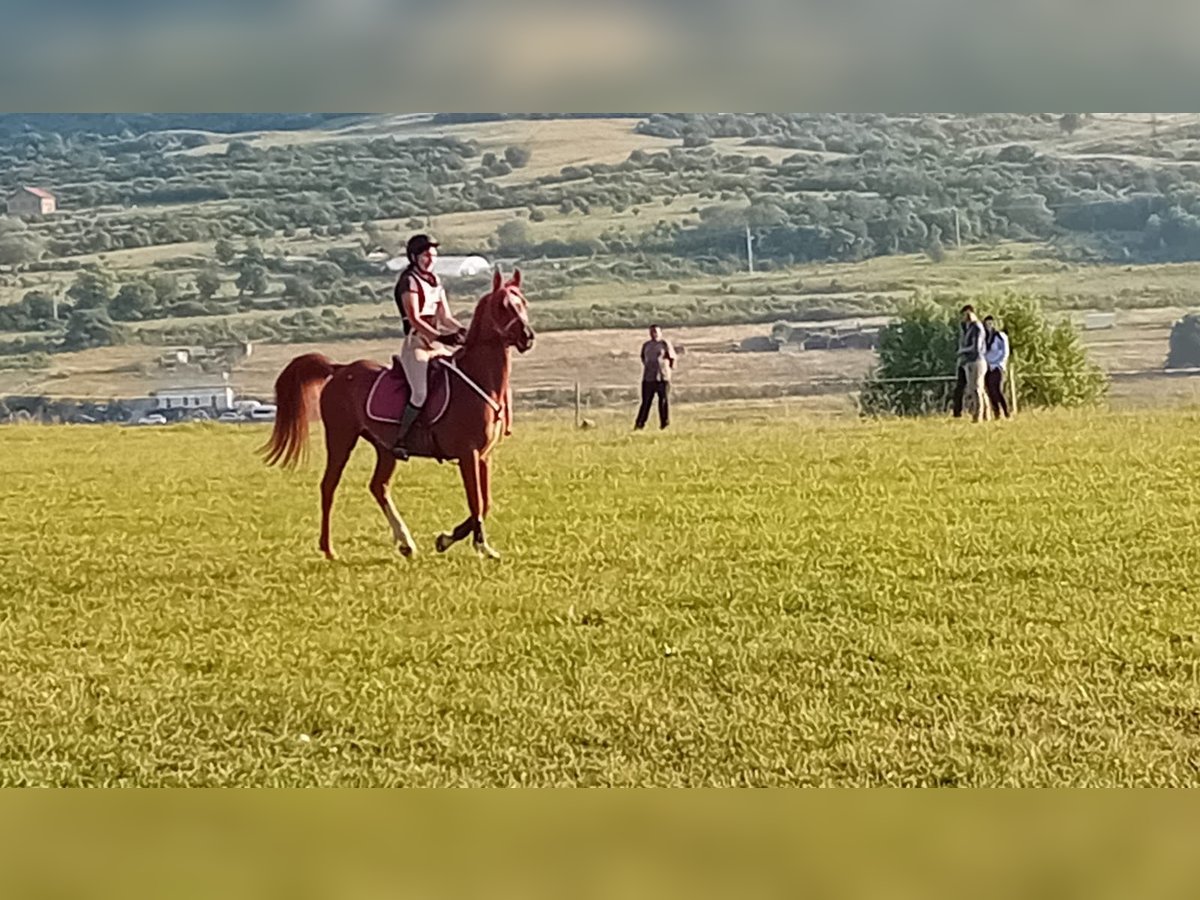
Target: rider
x,y
429,328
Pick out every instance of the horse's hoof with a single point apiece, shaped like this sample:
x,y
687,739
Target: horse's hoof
x,y
330,556
486,552
444,542
406,550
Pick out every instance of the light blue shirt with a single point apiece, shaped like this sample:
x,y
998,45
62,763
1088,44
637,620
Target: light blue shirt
x,y
997,354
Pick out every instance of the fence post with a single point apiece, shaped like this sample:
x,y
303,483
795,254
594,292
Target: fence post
x,y
577,412
1012,389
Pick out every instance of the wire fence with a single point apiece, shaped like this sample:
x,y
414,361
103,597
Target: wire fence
x,y
582,396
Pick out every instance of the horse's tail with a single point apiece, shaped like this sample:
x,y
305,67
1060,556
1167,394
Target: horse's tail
x,y
296,392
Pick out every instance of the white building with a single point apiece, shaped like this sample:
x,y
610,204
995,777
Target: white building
x,y
448,266
217,397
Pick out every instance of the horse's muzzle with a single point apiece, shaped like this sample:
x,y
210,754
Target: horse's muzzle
x,y
525,342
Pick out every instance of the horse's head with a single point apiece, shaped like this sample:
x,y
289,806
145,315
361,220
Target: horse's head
x,y
503,315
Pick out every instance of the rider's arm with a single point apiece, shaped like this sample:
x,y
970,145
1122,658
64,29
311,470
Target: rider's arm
x,y
411,304
446,318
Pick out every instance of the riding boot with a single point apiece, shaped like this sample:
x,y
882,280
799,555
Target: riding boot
x,y
406,423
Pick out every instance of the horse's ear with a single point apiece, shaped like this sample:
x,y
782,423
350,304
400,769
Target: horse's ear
x,y
516,279
497,280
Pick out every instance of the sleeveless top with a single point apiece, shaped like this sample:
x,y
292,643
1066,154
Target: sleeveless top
x,y
430,294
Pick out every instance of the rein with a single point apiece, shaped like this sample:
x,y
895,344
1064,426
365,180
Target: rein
x,y
449,364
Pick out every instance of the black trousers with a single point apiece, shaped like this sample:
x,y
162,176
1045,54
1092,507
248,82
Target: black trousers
x,y
994,382
651,389
960,388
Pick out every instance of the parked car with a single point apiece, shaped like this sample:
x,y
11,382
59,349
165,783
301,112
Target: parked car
x,y
152,419
264,413
230,415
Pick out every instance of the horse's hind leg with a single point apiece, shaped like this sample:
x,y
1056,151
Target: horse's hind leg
x,y
338,446
385,465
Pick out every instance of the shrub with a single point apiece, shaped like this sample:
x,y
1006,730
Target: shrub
x,y
1184,352
1050,362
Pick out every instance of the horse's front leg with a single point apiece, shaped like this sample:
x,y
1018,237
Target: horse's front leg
x,y
485,505
469,466
446,540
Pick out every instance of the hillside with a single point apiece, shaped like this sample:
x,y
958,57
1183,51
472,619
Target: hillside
x,y
211,230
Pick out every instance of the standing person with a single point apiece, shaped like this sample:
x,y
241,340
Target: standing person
x,y
430,330
658,359
996,356
971,367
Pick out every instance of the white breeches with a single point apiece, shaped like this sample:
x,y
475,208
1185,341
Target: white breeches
x,y
415,355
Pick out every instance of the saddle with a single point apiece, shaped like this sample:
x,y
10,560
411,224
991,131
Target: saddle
x,y
389,395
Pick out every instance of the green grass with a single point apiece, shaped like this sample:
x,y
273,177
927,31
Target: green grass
x,y
771,601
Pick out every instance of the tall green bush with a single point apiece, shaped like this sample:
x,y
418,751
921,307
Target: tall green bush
x,y
1051,365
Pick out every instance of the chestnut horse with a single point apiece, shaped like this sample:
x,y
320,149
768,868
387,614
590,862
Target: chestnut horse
x,y
467,431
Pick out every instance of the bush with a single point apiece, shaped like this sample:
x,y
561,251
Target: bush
x,y
297,292
512,236
518,157
208,283
1051,365
1184,352
921,344
1050,361
91,328
16,250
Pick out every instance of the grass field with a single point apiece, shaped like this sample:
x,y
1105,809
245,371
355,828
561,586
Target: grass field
x,y
766,601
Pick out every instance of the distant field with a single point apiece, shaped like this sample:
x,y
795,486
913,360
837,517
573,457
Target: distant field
x,y
751,600
1150,298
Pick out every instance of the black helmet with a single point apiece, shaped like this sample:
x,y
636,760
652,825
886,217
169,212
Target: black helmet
x,y
418,244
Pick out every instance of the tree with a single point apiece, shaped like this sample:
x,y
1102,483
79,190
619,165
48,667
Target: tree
x,y
326,275
208,283
166,288
252,279
39,306
1070,122
1051,364
920,344
133,301
92,289
224,251
239,150
10,226
91,328
374,237
518,157
1184,352
297,292
254,254
512,236
934,249
16,250
1027,210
